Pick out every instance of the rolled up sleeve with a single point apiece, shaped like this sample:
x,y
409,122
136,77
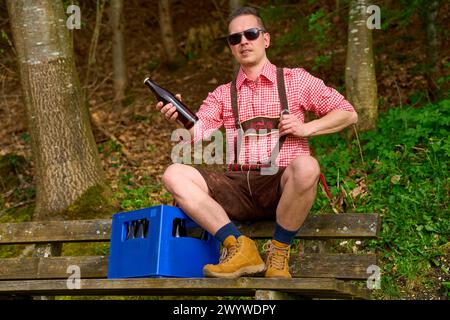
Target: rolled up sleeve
x,y
321,99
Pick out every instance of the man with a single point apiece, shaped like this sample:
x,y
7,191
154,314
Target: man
x,y
212,199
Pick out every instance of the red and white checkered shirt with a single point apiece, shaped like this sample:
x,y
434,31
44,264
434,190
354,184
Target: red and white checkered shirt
x,y
260,98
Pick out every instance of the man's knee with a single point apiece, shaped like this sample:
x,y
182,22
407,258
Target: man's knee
x,y
177,176
173,176
305,171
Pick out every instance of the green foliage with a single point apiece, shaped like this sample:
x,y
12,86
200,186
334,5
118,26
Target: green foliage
x,y
4,36
273,13
316,27
292,34
446,285
322,61
10,164
320,29
110,149
401,16
290,39
133,195
405,169
16,189
25,137
444,81
319,25
22,214
89,248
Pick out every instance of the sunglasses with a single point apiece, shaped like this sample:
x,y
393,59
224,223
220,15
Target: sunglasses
x,y
250,34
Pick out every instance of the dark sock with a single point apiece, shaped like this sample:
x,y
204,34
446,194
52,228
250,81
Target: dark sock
x,y
229,229
283,235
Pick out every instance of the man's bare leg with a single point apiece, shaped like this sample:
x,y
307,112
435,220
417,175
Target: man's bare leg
x,y
299,187
190,191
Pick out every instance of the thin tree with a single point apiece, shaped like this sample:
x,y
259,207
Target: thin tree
x,y
168,39
431,8
118,47
66,162
360,81
100,5
234,4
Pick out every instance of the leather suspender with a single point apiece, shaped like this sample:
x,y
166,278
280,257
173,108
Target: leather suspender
x,y
237,122
284,110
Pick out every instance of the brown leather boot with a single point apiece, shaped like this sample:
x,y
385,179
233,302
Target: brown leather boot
x,y
239,257
277,259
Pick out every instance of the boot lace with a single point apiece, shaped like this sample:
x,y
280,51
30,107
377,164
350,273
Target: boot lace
x,y
228,253
276,257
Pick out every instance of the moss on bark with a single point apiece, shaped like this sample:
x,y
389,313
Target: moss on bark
x,y
95,202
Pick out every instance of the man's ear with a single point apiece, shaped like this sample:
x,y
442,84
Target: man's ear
x,y
266,39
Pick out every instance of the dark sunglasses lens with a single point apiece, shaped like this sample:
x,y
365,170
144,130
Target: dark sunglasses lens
x,y
251,34
234,39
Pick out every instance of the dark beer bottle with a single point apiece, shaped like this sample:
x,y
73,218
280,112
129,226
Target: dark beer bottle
x,y
180,228
185,116
204,235
131,225
140,229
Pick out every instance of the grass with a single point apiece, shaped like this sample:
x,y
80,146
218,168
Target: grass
x,y
404,168
133,195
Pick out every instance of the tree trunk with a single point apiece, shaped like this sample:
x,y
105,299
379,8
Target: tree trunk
x,y
234,4
66,162
118,47
431,12
100,5
360,81
165,22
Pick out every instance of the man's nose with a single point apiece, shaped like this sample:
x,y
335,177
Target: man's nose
x,y
243,39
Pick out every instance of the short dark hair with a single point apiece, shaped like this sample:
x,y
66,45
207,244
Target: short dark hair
x,y
241,11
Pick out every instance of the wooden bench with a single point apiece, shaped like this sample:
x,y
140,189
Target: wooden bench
x,y
316,275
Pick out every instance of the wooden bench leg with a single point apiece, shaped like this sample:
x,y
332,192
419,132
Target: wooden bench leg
x,y
274,295
47,250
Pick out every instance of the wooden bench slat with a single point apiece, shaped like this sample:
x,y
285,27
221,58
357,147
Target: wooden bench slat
x,y
315,287
318,227
52,267
55,231
327,226
341,266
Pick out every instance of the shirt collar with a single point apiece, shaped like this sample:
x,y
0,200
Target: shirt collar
x,y
269,71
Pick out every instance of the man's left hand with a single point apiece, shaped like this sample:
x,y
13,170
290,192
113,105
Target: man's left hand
x,y
291,125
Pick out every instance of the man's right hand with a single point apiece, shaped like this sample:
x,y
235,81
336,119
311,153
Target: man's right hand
x,y
169,111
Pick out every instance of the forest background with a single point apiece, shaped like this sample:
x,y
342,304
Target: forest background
x,y
398,168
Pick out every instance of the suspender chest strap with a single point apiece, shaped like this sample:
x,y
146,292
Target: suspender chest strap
x,y
240,131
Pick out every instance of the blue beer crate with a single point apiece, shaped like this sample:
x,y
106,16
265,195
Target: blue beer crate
x,y
159,241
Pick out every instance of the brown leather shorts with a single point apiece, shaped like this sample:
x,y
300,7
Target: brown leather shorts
x,y
245,196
